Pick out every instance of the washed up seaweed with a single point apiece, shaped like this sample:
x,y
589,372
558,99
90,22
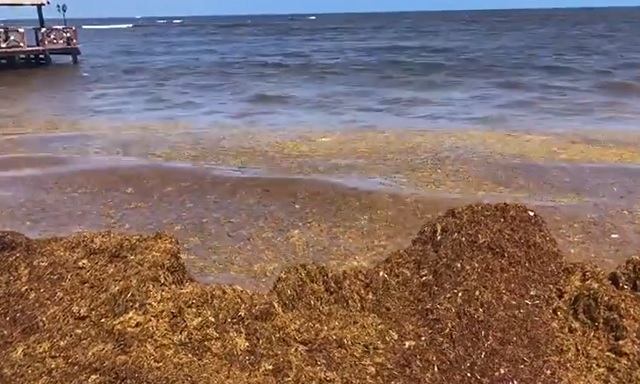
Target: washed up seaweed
x,y
481,295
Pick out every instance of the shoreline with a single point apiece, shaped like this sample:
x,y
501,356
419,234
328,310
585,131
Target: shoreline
x,y
395,179
145,181
483,162
563,145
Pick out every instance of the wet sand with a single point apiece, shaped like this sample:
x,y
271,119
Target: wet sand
x,y
245,210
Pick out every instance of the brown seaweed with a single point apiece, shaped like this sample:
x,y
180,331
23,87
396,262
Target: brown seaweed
x,y
482,295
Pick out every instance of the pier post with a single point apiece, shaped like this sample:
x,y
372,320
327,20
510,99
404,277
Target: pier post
x,y
40,16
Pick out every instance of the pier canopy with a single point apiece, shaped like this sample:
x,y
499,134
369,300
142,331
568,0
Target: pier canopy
x,y
24,2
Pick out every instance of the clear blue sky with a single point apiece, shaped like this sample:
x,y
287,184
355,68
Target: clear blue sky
x,y
96,8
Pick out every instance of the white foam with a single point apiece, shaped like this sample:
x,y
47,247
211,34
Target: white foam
x,y
107,26
75,163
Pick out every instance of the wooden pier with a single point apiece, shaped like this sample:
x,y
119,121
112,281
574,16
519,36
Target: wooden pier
x,y
34,46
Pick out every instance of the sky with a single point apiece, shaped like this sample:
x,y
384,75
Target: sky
x,y
116,8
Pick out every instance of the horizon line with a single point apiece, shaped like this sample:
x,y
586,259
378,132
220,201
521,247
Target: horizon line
x,y
345,13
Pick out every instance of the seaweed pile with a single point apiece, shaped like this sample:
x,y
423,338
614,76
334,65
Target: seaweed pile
x,y
482,295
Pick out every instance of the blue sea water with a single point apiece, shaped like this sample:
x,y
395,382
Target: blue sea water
x,y
542,69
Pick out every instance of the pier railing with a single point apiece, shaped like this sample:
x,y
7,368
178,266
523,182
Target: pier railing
x,y
47,38
12,38
58,37
38,46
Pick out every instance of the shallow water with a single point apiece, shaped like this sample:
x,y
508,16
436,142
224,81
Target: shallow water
x,y
228,223
546,69
614,183
244,227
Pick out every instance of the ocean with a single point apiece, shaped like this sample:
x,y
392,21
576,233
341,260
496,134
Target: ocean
x,y
514,70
